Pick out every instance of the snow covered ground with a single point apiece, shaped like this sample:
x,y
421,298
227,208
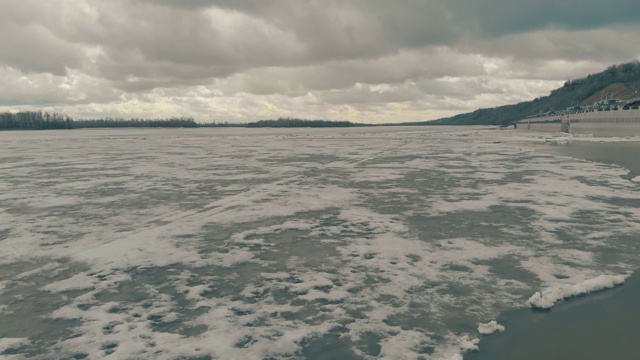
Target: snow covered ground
x,y
389,243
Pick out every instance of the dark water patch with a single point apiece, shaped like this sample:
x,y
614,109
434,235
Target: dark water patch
x,y
369,343
311,313
18,349
257,295
328,347
135,292
109,346
627,245
323,177
203,357
424,349
597,182
509,267
232,280
264,319
425,287
29,308
245,342
623,154
389,299
11,270
32,320
158,325
593,218
456,290
192,331
216,236
85,307
619,201
4,234
572,235
302,245
124,292
417,318
493,225
456,267
414,257
282,296
108,329
285,237
521,176
156,276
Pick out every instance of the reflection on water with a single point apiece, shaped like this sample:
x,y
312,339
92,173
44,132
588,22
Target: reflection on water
x,y
597,129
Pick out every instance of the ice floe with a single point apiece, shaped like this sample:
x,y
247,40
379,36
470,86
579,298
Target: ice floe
x,y
549,297
490,328
562,139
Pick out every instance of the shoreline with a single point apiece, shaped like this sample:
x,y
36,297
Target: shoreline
x,y
600,325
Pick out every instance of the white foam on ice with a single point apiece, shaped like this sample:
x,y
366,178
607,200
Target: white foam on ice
x,y
562,139
457,346
402,345
549,297
490,328
77,282
12,343
355,257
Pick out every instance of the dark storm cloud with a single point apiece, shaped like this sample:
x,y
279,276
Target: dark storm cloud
x,y
145,38
415,23
336,52
359,32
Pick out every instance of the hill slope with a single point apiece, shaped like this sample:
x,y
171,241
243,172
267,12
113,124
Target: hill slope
x,y
620,91
619,81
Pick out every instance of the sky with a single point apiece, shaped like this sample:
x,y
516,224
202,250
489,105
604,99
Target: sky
x,y
372,61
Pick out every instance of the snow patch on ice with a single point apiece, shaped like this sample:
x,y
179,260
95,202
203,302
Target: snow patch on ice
x,y
563,139
459,346
469,344
490,328
549,297
77,282
11,343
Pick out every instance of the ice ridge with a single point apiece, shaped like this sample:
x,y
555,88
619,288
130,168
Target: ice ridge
x,y
549,297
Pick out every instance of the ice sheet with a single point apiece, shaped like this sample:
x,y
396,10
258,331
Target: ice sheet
x,y
237,243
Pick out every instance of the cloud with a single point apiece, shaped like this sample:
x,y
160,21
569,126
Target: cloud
x,y
321,58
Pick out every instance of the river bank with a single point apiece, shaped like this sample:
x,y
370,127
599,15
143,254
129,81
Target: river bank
x,y
601,325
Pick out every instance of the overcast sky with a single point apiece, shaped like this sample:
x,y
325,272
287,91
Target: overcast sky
x,y
360,60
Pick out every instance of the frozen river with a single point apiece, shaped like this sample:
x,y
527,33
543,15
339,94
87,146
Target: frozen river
x,y
355,243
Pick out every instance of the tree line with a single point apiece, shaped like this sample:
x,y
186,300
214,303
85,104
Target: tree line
x,y
35,120
38,120
294,122
176,122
